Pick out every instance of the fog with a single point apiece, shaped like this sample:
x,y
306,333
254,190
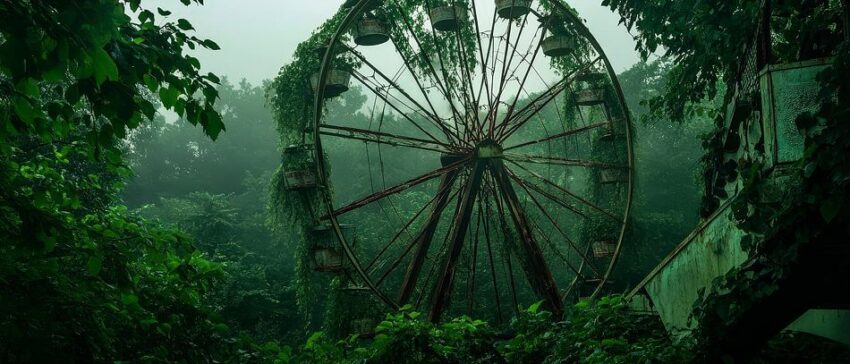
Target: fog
x,y
257,37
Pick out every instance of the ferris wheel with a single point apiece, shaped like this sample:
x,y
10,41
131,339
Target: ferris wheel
x,y
496,166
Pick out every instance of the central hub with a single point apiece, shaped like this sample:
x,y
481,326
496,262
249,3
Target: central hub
x,y
488,149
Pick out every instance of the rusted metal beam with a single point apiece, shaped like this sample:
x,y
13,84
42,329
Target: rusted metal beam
x,y
531,258
512,107
443,289
407,250
559,161
560,188
379,137
432,115
559,135
422,242
362,79
398,188
496,293
558,228
540,102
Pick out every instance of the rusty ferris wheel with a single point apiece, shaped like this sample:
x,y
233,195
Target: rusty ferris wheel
x,y
510,127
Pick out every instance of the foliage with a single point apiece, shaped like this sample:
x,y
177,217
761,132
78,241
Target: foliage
x,y
217,192
705,39
690,35
789,213
66,65
83,279
602,333
782,228
291,99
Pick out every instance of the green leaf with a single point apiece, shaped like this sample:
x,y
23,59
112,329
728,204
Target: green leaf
x,y
213,124
95,264
25,110
168,96
830,208
184,24
129,299
535,307
104,67
210,44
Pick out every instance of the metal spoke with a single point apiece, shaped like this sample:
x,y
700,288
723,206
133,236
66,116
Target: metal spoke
x,y
570,242
398,188
537,272
362,79
554,248
466,74
506,63
525,77
550,196
538,103
423,239
442,292
474,261
430,115
584,201
559,135
378,137
560,161
402,230
443,249
443,89
407,250
507,242
492,263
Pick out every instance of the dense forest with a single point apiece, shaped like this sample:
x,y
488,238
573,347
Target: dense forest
x,y
154,212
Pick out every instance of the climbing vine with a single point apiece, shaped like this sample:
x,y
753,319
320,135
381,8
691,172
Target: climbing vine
x,y
784,227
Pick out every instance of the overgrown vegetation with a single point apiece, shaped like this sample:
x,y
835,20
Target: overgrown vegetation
x,y
601,333
127,237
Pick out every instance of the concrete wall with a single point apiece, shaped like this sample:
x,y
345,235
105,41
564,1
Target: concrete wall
x,y
710,251
832,324
713,248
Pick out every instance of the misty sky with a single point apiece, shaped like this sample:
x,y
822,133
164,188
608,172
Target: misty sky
x,y
257,37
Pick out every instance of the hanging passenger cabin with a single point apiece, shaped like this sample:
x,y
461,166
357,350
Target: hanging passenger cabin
x,y
591,78
360,299
326,251
512,9
446,18
613,129
299,167
591,88
337,83
370,32
558,45
590,97
607,132
604,249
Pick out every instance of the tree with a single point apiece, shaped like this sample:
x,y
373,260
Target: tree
x,y
84,280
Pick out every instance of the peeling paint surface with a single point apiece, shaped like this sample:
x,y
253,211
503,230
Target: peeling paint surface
x,y
710,253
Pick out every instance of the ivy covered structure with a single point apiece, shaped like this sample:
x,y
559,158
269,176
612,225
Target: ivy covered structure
x,y
494,187
766,238
771,251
